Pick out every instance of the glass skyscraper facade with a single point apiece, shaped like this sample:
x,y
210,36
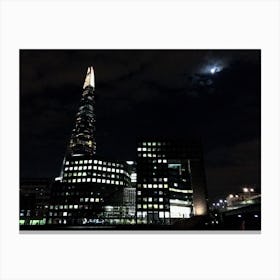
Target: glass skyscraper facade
x,y
82,141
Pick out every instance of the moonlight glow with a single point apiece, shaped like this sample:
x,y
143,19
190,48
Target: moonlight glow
x,y
215,69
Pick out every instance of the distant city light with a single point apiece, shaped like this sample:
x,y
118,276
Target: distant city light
x,y
245,190
252,190
221,201
231,195
256,216
239,216
130,162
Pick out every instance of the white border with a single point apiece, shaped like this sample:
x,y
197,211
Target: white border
x,y
166,24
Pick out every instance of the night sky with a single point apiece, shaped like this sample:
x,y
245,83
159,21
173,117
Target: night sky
x,y
145,93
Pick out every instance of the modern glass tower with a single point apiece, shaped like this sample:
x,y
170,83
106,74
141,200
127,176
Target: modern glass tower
x,y
82,141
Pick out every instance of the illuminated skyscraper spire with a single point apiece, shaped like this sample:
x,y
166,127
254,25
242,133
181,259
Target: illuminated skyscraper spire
x,y
89,81
82,140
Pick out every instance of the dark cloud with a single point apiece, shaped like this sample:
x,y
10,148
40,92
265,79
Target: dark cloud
x,y
142,93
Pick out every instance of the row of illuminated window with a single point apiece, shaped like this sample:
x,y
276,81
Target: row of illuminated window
x,y
152,206
153,144
152,186
90,161
74,206
154,199
144,149
88,174
89,167
151,155
161,214
73,193
94,180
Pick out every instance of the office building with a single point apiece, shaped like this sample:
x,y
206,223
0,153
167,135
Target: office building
x,y
170,181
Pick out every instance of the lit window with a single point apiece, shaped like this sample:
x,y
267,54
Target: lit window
x,y
79,173
175,185
75,206
165,186
85,167
97,200
76,168
164,179
150,199
145,186
86,161
70,206
155,186
67,163
144,149
74,181
121,171
166,214
144,155
88,179
89,167
150,186
113,169
160,206
117,182
138,206
108,181
71,168
99,168
103,181
145,206
100,162
80,168
117,170
90,161
160,199
139,192
78,180
160,186
94,180
161,214
139,149
98,180
91,199
84,179
150,205
66,168
64,213
86,199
